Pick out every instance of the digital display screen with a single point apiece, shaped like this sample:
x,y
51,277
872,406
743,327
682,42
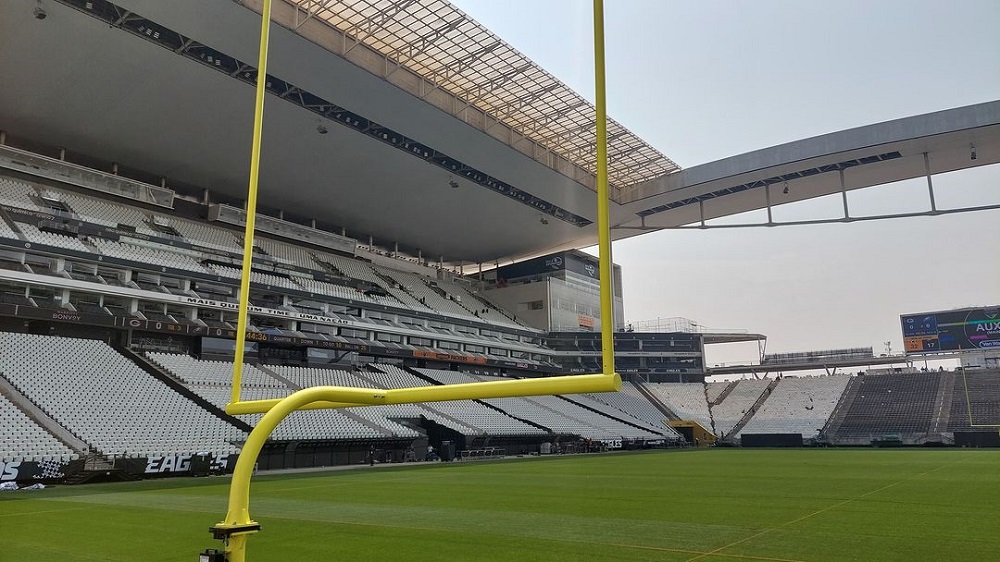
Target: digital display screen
x,y
956,330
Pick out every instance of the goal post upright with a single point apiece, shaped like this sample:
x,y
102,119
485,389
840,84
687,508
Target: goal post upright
x,y
251,210
603,211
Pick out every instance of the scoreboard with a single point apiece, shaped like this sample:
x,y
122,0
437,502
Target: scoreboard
x,y
953,330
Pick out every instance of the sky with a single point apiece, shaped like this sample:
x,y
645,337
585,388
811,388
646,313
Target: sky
x,y
706,80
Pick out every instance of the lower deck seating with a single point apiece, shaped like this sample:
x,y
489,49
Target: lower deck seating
x,y
889,404
798,405
736,404
632,402
686,400
975,402
23,439
109,402
556,413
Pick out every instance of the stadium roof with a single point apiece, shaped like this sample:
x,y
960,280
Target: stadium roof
x,y
455,53
377,109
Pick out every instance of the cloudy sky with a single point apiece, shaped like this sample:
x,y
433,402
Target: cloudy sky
x,y
705,80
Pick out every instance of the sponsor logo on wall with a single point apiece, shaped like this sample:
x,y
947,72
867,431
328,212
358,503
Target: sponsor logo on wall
x,y
9,470
179,463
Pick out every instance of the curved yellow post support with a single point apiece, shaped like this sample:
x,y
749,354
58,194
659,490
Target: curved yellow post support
x,y
238,526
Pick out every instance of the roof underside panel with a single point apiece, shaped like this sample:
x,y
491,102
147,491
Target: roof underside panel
x,y
456,54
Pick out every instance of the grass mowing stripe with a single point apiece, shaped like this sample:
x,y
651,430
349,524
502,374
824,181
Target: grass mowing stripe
x,y
824,510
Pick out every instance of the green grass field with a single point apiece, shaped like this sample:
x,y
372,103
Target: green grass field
x,y
710,505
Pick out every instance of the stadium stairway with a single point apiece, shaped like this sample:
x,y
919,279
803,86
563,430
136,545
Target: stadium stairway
x,y
277,377
752,410
670,415
168,379
840,411
942,403
722,395
36,414
489,304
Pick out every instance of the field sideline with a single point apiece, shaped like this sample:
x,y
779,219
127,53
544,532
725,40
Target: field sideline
x,y
714,505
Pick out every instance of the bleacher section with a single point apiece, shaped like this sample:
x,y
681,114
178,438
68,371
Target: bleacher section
x,y
305,377
555,413
34,235
632,402
736,404
471,413
107,401
104,212
211,380
899,404
686,400
981,391
798,405
284,274
21,439
18,194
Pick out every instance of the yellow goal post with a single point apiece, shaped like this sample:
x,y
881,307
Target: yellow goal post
x,y
238,526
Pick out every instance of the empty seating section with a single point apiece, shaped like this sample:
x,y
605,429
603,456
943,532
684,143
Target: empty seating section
x,y
889,404
213,237
471,413
193,371
23,439
981,391
736,404
32,234
273,280
104,212
632,402
798,405
305,377
346,293
685,400
107,401
6,231
18,194
391,376
286,253
452,377
715,389
255,277
484,310
558,414
353,268
334,424
147,255
592,402
212,379
403,289
417,286
599,414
